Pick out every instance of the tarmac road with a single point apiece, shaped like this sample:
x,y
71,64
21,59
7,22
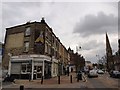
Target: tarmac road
x,y
104,81
96,83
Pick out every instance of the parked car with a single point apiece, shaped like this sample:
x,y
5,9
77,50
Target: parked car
x,y
115,74
100,71
93,73
103,70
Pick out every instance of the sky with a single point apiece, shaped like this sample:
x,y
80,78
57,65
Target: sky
x,y
76,23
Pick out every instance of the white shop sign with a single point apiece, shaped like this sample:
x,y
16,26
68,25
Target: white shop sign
x,y
38,63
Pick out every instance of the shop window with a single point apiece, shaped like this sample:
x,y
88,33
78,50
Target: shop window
x,y
25,68
27,31
39,69
46,34
35,68
29,68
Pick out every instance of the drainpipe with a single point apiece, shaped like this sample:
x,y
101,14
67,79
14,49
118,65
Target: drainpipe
x,y
9,68
43,68
32,70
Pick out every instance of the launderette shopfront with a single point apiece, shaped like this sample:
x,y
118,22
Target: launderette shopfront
x,y
30,66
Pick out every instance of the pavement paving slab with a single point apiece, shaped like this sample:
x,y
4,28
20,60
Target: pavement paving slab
x,y
103,81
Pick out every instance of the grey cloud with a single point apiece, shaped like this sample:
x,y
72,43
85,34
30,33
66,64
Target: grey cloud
x,y
98,24
92,48
14,13
90,54
17,11
91,45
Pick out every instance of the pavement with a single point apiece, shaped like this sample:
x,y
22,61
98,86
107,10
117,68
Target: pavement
x,y
103,81
49,83
63,80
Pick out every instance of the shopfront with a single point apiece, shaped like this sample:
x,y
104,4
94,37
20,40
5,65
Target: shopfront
x,y
30,67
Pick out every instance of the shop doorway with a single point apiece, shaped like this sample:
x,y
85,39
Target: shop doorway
x,y
38,70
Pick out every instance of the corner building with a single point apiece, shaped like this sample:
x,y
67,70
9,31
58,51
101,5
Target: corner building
x,y
32,50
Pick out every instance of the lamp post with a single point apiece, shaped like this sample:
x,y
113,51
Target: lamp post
x,y
78,48
9,68
100,62
98,57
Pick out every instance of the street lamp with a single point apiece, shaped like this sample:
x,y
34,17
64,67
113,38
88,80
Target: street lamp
x,y
78,48
98,57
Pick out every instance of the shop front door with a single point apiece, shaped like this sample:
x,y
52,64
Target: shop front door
x,y
38,70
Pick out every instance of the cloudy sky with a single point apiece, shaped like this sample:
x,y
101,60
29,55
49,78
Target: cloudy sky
x,y
75,23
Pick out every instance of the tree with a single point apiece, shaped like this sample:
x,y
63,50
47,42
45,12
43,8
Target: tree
x,y
102,62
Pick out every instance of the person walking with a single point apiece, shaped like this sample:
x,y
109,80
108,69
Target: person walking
x,y
84,78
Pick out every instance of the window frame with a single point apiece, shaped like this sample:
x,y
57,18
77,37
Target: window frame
x,y
27,31
26,71
26,47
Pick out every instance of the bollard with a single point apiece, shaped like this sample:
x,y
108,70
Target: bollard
x,y
58,79
21,87
77,78
68,73
42,80
71,78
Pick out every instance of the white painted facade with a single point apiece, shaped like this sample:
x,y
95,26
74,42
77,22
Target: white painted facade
x,y
54,68
36,61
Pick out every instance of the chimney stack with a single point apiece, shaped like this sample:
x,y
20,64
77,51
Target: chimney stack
x,y
42,21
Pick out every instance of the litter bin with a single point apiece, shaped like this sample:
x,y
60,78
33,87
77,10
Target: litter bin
x,y
79,75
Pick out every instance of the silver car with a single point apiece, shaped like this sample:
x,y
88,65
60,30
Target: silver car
x,y
100,72
93,73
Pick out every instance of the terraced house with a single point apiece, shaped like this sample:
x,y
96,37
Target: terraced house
x,y
32,49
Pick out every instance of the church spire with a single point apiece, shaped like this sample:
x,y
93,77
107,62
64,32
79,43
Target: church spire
x,y
110,61
108,47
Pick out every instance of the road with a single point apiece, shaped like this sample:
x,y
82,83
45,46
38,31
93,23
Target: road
x,y
102,81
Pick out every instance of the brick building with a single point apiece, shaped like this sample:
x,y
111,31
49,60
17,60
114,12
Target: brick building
x,y
113,61
77,62
33,49
116,62
116,58
1,51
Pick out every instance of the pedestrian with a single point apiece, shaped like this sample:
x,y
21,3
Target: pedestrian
x,y
79,76
71,69
64,69
68,71
84,78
